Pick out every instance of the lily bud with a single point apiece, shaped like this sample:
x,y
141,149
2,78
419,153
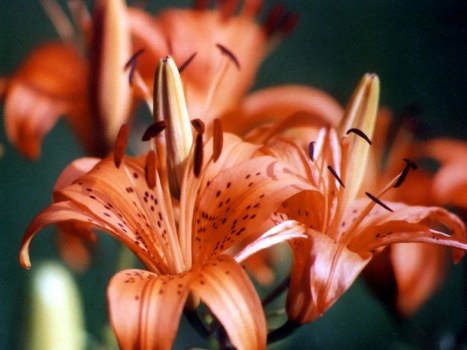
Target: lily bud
x,y
111,94
170,105
360,116
54,317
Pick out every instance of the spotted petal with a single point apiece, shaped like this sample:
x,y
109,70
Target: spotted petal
x,y
317,281
145,308
238,201
409,224
230,295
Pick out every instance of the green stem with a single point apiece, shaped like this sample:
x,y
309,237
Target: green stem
x,y
283,331
281,287
196,322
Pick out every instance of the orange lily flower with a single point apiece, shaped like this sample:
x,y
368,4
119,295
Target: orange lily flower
x,y
450,181
227,45
345,230
404,275
226,193
85,83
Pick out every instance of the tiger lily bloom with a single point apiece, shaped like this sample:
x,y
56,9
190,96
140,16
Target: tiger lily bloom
x,y
226,194
346,228
404,275
83,80
220,51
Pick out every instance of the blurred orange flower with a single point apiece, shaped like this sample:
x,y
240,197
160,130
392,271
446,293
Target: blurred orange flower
x,y
83,80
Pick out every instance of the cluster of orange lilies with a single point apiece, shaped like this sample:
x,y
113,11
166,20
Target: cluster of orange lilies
x,y
221,176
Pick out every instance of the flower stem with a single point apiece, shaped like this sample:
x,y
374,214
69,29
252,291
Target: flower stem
x,y
283,331
281,287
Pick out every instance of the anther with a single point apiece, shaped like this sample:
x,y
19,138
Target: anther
x,y
131,64
120,144
334,173
229,54
408,165
217,140
198,124
198,161
186,63
311,150
154,129
150,169
377,201
359,133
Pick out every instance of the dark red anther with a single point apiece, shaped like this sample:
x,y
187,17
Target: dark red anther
x,y
120,144
198,161
132,62
229,54
186,63
359,133
408,165
311,150
198,124
273,19
377,201
201,4
153,130
334,173
150,169
217,140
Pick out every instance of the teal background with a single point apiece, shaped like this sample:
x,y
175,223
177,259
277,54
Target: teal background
x,y
419,50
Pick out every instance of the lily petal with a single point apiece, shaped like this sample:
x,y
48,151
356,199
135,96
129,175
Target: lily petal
x,y
238,201
277,103
230,295
320,279
410,224
48,84
145,308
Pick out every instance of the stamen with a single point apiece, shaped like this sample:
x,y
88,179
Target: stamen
x,y
311,150
408,165
377,201
229,54
198,124
120,144
132,62
150,169
274,17
359,133
218,140
289,22
186,63
198,154
227,8
334,173
200,4
154,129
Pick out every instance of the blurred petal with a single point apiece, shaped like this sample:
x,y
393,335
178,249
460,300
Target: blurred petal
x,y
145,308
277,103
419,269
450,181
49,84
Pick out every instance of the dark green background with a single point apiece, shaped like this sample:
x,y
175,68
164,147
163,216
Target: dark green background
x,y
419,50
